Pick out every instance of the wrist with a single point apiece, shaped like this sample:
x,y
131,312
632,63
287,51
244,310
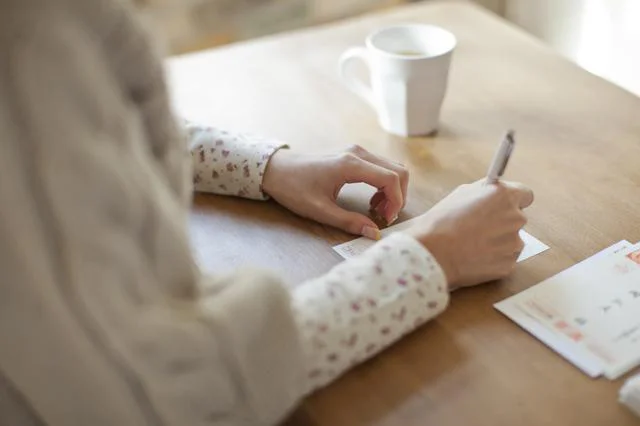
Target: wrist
x,y
272,170
438,245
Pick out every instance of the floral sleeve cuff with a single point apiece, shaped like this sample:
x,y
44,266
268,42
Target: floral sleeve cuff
x,y
229,164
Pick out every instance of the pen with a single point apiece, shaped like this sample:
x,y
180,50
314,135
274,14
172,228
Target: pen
x,y
501,158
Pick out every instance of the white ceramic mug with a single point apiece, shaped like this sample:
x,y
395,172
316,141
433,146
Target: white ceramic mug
x,y
409,69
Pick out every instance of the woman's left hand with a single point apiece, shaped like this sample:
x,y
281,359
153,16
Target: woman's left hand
x,y
309,185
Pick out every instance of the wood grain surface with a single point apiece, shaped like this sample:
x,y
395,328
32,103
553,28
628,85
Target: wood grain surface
x,y
578,148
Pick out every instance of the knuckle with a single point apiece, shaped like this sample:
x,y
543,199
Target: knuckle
x,y
520,219
512,199
496,193
392,177
505,193
355,149
348,157
507,269
523,219
513,242
352,226
403,173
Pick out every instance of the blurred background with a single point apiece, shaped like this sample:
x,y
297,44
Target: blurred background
x,y
602,36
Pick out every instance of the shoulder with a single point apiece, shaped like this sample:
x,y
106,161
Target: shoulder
x,y
34,27
33,21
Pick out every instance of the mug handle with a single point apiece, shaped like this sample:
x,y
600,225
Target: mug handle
x,y
353,83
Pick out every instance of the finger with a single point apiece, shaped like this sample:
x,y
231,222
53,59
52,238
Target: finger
x,y
378,204
376,199
348,221
398,168
522,194
518,251
507,268
354,170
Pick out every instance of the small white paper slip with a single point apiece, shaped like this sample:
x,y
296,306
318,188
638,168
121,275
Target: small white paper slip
x,y
359,245
532,246
630,394
588,313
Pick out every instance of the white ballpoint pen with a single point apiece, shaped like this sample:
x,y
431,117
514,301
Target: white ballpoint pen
x,y
501,158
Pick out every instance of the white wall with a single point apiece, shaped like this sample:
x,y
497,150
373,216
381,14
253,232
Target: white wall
x,y
602,36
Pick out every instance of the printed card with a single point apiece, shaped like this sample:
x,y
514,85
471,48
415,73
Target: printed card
x,y
589,313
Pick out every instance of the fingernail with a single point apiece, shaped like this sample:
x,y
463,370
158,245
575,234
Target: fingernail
x,y
371,232
390,218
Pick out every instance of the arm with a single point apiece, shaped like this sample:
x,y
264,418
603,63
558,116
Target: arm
x,y
109,323
229,164
122,333
365,304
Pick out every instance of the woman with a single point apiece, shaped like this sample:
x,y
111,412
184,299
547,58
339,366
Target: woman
x,y
105,320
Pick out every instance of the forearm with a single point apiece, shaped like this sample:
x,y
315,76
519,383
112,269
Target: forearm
x,y
365,304
229,164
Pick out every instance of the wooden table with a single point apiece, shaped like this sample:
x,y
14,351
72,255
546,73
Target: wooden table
x,y
579,148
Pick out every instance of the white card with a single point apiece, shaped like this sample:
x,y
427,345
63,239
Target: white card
x,y
581,359
587,313
359,245
532,245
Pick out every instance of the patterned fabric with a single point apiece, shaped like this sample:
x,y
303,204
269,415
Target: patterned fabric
x,y
365,304
229,164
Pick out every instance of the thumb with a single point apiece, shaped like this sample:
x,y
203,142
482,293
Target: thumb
x,y
523,194
348,221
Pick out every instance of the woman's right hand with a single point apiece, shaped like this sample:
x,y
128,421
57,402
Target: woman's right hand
x,y
474,232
